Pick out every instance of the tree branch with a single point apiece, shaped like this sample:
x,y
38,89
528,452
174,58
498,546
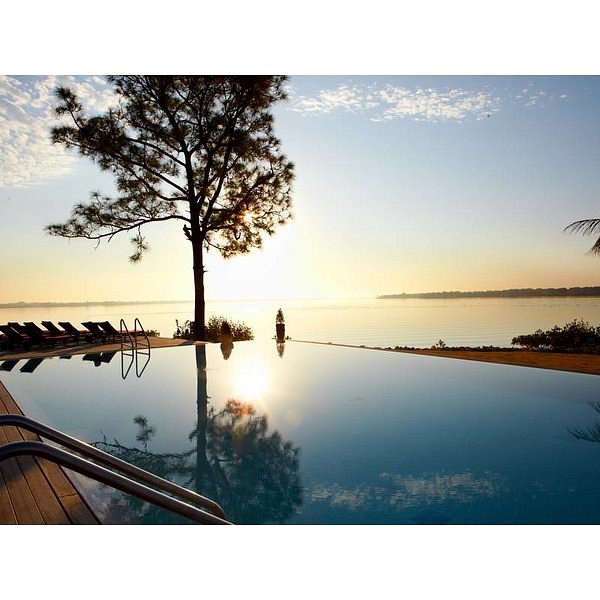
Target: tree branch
x,y
62,230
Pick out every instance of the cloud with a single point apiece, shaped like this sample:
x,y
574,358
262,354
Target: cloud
x,y
343,97
388,102
432,105
532,96
27,156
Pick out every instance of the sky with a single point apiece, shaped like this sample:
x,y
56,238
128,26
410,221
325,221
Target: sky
x,y
403,184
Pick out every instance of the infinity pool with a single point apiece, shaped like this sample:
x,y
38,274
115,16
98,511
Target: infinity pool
x,y
328,435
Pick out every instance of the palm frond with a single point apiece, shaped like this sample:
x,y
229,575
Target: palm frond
x,y
585,226
595,249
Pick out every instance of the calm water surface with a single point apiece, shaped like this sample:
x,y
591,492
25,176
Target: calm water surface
x,y
328,435
410,322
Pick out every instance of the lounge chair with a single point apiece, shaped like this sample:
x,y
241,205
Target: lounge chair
x,y
31,327
34,336
111,332
44,337
95,330
18,327
14,338
75,333
54,330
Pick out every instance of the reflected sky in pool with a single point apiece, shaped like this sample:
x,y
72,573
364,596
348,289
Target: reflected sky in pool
x,y
331,435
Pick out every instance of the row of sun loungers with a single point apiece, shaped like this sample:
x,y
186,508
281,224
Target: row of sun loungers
x,y
29,334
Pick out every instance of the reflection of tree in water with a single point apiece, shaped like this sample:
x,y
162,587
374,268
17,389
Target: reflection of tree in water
x,y
146,432
251,473
591,434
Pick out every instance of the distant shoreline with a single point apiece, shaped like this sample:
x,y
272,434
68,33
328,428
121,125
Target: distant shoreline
x,y
100,303
579,292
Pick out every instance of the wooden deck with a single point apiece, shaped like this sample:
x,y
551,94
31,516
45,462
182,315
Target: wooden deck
x,y
35,491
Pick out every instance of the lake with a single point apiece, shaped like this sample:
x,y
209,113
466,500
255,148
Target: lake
x,y
361,321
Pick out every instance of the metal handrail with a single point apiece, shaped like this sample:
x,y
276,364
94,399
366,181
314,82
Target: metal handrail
x,y
126,351
108,459
85,467
146,352
123,327
125,372
135,329
139,372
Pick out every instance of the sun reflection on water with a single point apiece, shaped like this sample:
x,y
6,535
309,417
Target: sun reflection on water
x,y
250,382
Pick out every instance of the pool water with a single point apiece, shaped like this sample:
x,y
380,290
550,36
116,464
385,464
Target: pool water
x,y
318,434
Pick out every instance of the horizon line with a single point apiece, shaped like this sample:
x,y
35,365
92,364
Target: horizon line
x,y
44,303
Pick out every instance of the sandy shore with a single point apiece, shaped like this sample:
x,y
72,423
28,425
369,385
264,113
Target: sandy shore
x,y
576,363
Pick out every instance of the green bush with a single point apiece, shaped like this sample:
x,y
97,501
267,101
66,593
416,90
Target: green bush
x,y
184,330
240,331
572,336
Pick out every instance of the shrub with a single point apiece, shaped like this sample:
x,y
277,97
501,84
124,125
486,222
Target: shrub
x,y
184,330
240,331
573,335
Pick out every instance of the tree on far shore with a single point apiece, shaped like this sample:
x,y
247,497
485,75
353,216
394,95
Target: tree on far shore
x,y
199,150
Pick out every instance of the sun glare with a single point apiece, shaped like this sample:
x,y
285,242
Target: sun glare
x,y
250,382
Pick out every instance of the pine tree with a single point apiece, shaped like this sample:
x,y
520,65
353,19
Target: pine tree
x,y
196,149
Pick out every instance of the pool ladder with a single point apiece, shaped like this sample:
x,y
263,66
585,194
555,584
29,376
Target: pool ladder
x,y
206,511
129,347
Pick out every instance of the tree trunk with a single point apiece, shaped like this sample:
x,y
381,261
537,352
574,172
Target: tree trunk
x,y
199,303
202,465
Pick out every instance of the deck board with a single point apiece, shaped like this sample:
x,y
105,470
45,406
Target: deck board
x,y
22,500
7,514
48,503
35,490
